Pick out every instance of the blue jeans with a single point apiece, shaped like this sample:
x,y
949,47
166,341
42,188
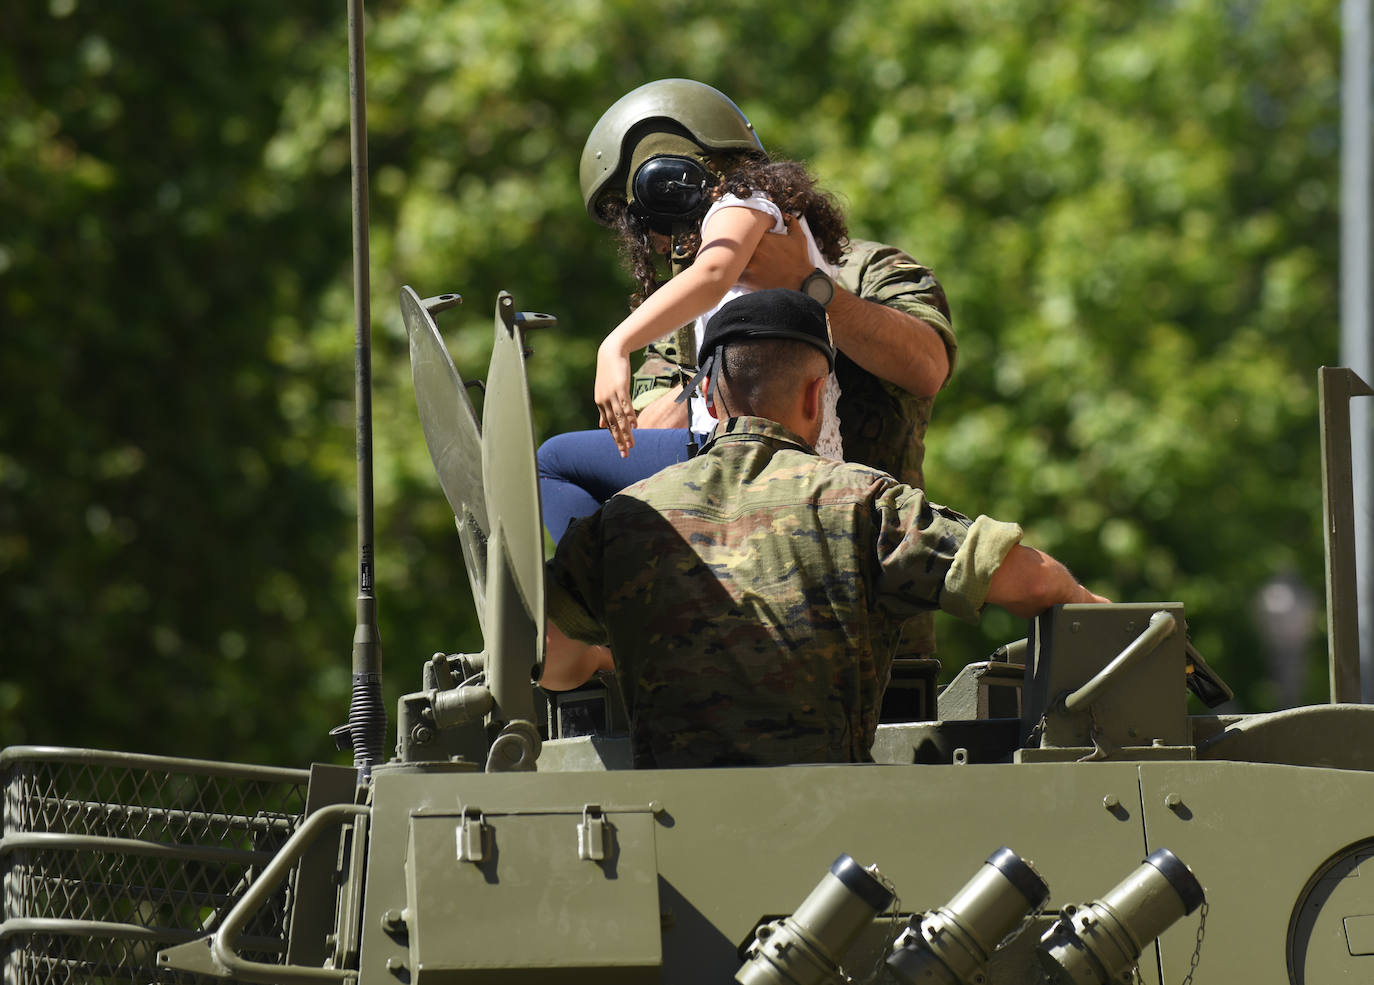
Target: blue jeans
x,y
580,470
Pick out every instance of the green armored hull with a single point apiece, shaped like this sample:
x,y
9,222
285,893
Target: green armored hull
x,y
693,862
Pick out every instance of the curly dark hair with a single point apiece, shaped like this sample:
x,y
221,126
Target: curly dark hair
x,y
788,183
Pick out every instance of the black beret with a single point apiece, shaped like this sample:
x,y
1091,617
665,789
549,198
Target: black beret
x,y
772,314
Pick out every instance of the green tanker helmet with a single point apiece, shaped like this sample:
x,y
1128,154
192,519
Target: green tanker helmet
x,y
687,118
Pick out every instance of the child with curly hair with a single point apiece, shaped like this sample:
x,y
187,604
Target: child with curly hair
x,y
751,200
706,216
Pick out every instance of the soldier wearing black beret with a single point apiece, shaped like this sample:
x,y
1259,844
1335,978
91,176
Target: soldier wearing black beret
x,y
750,599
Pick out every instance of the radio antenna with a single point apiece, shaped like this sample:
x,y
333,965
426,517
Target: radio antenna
x,y
366,728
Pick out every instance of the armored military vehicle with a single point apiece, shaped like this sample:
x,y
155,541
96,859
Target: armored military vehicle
x,y
1054,814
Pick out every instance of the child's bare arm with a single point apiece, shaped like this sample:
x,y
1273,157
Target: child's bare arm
x,y
728,240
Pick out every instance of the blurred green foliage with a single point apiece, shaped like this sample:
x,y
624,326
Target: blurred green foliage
x,y
1132,207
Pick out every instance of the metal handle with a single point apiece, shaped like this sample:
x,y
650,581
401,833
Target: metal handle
x,y
223,940
1162,626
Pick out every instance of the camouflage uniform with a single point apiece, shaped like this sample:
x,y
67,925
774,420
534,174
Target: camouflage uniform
x,y
752,596
882,425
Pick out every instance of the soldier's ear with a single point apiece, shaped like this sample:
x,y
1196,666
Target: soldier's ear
x,y
711,402
813,398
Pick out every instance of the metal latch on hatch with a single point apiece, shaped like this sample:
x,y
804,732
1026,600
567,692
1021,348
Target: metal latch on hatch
x,y
591,834
471,832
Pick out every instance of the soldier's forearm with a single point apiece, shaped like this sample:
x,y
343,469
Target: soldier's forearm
x,y
890,344
570,663
1030,581
664,412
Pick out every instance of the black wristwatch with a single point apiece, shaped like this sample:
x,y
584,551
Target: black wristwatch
x,y
819,286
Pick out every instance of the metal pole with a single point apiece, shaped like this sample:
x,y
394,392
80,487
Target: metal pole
x,y
366,712
1357,304
1335,387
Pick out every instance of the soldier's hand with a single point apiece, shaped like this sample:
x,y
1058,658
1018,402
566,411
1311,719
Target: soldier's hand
x,y
779,261
612,395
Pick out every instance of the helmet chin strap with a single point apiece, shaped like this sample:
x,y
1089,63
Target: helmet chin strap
x,y
679,259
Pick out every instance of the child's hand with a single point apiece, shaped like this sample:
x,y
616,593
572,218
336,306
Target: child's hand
x,y
612,396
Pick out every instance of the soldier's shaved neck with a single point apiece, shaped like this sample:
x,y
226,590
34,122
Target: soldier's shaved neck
x,y
766,378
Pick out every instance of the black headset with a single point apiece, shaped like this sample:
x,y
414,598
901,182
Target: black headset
x,y
669,191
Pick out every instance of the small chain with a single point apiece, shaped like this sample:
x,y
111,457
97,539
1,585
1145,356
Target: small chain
x,y
893,922
1197,950
1035,911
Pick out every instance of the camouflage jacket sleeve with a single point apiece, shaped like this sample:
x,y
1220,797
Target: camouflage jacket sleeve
x,y
882,424
930,556
660,371
890,277
573,596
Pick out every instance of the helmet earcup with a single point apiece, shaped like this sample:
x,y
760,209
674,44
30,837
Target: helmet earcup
x,y
669,191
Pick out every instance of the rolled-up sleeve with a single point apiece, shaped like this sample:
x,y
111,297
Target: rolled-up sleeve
x,y
931,557
985,547
892,278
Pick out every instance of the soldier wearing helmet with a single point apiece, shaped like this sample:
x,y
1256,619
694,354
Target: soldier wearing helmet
x,y
888,313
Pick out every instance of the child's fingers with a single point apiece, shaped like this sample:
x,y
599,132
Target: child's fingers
x,y
621,430
610,413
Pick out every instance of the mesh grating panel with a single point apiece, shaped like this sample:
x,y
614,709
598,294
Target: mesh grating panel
x,y
110,857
